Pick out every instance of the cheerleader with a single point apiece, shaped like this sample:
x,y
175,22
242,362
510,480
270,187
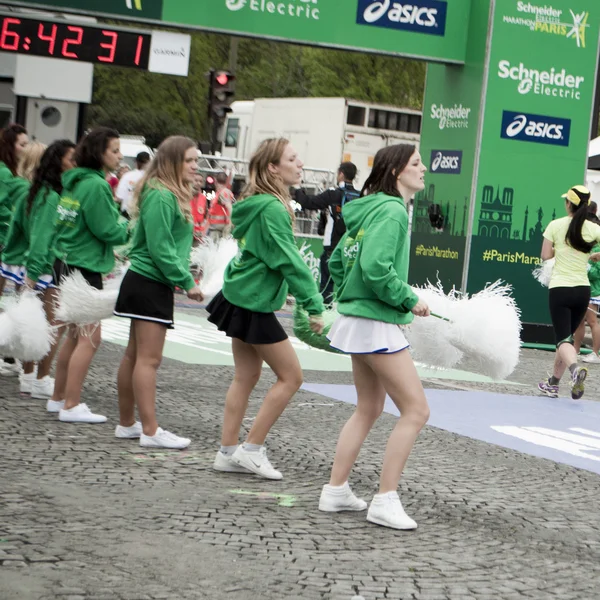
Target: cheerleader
x,y
39,208
160,261
256,284
13,140
370,269
87,229
15,249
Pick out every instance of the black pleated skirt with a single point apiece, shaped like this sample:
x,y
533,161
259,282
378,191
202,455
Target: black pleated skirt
x,y
249,326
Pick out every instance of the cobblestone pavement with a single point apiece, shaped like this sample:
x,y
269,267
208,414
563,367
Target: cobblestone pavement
x,y
84,516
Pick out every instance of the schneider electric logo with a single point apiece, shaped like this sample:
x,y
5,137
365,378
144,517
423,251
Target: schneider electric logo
x,y
557,83
421,16
549,20
446,162
535,128
456,117
308,9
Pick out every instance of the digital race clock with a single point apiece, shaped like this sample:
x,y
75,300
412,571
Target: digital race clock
x,y
74,41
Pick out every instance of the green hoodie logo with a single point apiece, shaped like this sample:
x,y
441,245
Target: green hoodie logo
x,y
351,248
68,211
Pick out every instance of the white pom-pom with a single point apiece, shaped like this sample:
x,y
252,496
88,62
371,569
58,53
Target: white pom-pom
x,y
81,304
487,328
24,330
212,259
543,272
430,337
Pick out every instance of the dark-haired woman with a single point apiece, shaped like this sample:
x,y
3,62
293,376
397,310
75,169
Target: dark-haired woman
x,y
370,268
570,241
87,229
39,217
13,140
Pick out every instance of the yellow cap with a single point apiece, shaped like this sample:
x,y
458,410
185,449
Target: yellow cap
x,y
578,194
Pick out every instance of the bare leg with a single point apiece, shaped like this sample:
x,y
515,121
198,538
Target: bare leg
x,y
248,365
149,344
371,398
401,381
579,335
125,382
80,362
283,361
565,357
592,320
45,364
62,363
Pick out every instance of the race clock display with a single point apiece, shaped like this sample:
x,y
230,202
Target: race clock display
x,y
74,41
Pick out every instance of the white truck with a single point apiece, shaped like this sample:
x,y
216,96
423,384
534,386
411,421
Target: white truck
x,y
324,131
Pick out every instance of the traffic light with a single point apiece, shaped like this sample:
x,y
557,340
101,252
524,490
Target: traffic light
x,y
220,95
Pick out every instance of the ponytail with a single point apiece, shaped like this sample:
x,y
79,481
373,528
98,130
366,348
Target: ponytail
x,y
574,234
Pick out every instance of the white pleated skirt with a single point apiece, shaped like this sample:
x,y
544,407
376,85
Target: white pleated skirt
x,y
15,273
354,335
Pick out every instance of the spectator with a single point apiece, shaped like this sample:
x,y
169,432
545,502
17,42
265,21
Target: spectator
x,y
331,203
199,207
128,182
219,215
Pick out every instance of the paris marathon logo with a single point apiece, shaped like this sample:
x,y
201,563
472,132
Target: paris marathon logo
x,y
549,20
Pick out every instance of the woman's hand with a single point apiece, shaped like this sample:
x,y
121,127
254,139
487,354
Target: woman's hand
x,y
316,323
421,309
195,294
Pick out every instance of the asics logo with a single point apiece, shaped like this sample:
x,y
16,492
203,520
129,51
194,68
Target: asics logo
x,y
446,161
535,128
424,16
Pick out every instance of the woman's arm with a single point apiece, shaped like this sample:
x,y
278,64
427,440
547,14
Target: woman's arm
x,y
547,250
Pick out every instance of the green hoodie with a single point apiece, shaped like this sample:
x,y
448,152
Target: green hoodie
x,y
87,222
162,240
594,274
42,223
7,183
268,260
370,264
17,238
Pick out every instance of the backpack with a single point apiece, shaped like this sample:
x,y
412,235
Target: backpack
x,y
339,227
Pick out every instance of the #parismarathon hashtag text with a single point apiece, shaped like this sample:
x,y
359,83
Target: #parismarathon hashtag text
x,y
510,257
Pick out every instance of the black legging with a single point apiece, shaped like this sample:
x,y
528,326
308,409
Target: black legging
x,y
567,310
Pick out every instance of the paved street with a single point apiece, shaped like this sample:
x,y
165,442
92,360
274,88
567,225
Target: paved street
x,y
85,516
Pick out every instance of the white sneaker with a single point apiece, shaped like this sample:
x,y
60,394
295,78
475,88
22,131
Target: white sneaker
x,y
80,414
257,462
164,439
54,406
42,388
591,358
226,465
10,369
129,433
339,498
386,510
26,382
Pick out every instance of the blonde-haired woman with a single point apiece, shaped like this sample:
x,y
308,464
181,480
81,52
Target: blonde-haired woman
x,y
256,284
17,241
15,250
159,258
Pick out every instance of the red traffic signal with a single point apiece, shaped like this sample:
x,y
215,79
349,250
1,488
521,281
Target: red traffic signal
x,y
222,78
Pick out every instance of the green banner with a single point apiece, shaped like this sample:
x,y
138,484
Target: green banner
x,y
427,29
540,91
134,9
448,142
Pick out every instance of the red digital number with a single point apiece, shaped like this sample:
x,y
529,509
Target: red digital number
x,y
72,41
138,52
9,40
110,46
51,39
